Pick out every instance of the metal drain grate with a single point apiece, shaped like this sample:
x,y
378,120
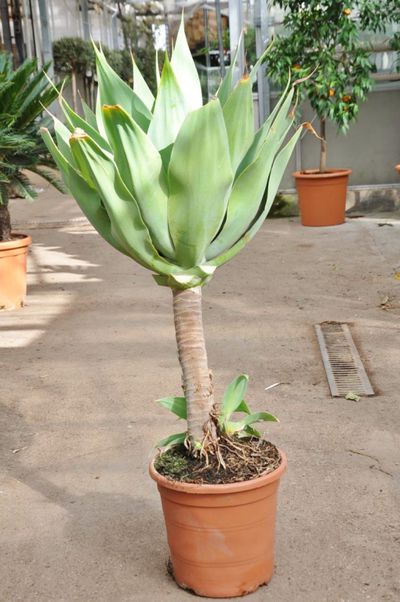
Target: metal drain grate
x,y
343,365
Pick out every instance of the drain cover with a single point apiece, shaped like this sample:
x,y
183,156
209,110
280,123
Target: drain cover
x,y
343,365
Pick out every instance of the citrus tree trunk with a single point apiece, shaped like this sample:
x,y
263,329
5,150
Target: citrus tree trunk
x,y
196,378
322,133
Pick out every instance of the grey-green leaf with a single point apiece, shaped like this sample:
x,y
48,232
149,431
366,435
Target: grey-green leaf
x,y
200,178
239,120
126,221
277,171
113,90
141,168
185,71
233,396
171,440
169,109
86,197
176,405
256,417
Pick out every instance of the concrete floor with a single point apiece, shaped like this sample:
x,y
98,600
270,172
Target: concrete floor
x,y
83,361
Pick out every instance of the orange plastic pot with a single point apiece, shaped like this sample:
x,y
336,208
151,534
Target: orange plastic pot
x,y
13,256
221,537
322,196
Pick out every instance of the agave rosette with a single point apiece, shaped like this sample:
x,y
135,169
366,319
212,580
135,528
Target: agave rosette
x,y
178,186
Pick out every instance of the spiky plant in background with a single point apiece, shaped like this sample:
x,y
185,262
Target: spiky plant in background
x,y
24,93
179,188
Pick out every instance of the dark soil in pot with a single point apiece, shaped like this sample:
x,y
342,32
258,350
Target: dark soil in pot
x,y
244,459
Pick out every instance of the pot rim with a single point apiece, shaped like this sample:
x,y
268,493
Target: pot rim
x,y
220,489
18,241
330,173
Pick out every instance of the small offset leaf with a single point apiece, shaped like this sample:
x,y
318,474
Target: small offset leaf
x,y
251,431
233,396
257,417
243,407
177,405
171,440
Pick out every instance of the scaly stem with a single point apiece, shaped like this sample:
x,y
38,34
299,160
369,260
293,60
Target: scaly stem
x,y
196,379
322,133
5,220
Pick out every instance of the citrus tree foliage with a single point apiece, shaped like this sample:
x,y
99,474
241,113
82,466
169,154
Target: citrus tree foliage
x,y
323,37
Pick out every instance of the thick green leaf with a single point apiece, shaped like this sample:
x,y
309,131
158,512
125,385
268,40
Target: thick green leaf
x,y
279,120
87,198
90,117
76,121
169,109
140,166
127,225
157,66
172,440
247,195
251,431
200,178
260,61
239,120
275,178
256,417
185,71
233,396
177,405
141,88
243,407
225,87
113,90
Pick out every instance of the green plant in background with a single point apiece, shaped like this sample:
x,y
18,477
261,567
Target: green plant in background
x,y
322,37
23,95
179,188
76,58
72,57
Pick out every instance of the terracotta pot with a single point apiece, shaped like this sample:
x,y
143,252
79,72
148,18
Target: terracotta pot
x,y
398,167
322,196
221,537
13,256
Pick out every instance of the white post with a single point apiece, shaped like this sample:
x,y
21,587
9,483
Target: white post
x,y
235,29
47,50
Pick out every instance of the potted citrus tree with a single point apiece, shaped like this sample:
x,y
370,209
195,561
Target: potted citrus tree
x,y
179,188
322,40
24,93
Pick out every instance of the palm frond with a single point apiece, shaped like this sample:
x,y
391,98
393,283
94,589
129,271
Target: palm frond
x,y
50,177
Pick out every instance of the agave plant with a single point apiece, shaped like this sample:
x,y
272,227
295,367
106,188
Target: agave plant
x,y
179,187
